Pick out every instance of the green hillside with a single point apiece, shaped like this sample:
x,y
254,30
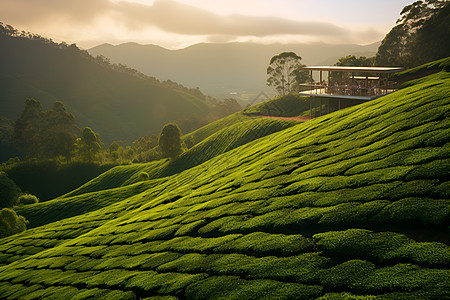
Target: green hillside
x,y
351,205
242,131
114,102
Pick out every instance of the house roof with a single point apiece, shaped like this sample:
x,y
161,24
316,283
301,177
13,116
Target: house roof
x,y
355,69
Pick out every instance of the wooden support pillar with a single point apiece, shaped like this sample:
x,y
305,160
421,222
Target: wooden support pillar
x,y
320,77
378,91
320,107
329,78
310,107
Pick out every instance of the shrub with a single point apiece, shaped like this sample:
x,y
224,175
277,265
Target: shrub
x,y
26,199
143,176
170,141
8,191
11,223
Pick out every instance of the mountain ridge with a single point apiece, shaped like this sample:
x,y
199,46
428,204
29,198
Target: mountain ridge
x,y
115,101
222,68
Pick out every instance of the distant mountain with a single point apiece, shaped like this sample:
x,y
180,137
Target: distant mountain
x,y
221,69
117,102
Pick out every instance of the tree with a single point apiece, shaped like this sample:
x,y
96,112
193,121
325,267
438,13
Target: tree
x,y
11,223
433,38
27,129
114,151
409,43
45,134
60,131
284,74
9,192
89,144
352,61
170,141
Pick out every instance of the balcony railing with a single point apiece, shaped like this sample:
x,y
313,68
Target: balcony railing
x,y
351,90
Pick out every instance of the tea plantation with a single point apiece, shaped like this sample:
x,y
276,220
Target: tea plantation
x,y
351,205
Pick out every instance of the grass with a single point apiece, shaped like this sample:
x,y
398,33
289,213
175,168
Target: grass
x,y
351,205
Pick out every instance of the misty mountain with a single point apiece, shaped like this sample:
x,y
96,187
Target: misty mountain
x,y
117,102
221,69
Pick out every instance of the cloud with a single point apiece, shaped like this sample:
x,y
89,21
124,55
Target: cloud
x,y
180,18
44,11
166,15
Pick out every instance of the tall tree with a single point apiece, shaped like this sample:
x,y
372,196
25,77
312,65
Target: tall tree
x,y
401,45
283,72
61,131
170,141
432,40
9,191
45,134
352,61
89,145
11,223
27,129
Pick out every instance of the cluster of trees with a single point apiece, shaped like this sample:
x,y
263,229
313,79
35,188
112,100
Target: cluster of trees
x,y
45,134
421,35
54,135
10,196
351,60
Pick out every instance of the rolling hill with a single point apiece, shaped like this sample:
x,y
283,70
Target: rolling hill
x,y
221,69
351,205
118,104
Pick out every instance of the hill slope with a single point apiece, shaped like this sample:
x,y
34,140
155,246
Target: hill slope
x,y
219,69
118,105
350,205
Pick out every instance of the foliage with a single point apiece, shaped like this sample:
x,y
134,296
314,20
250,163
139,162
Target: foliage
x,y
45,134
107,98
350,60
7,149
11,223
284,74
89,144
27,199
143,176
48,179
420,36
170,142
8,191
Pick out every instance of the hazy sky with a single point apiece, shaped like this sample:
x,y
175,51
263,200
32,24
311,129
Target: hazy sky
x,y
179,23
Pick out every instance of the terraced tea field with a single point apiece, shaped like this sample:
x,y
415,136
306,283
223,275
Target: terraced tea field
x,y
351,205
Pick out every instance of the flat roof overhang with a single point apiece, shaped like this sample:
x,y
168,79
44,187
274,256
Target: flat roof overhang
x,y
354,69
336,96
346,97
